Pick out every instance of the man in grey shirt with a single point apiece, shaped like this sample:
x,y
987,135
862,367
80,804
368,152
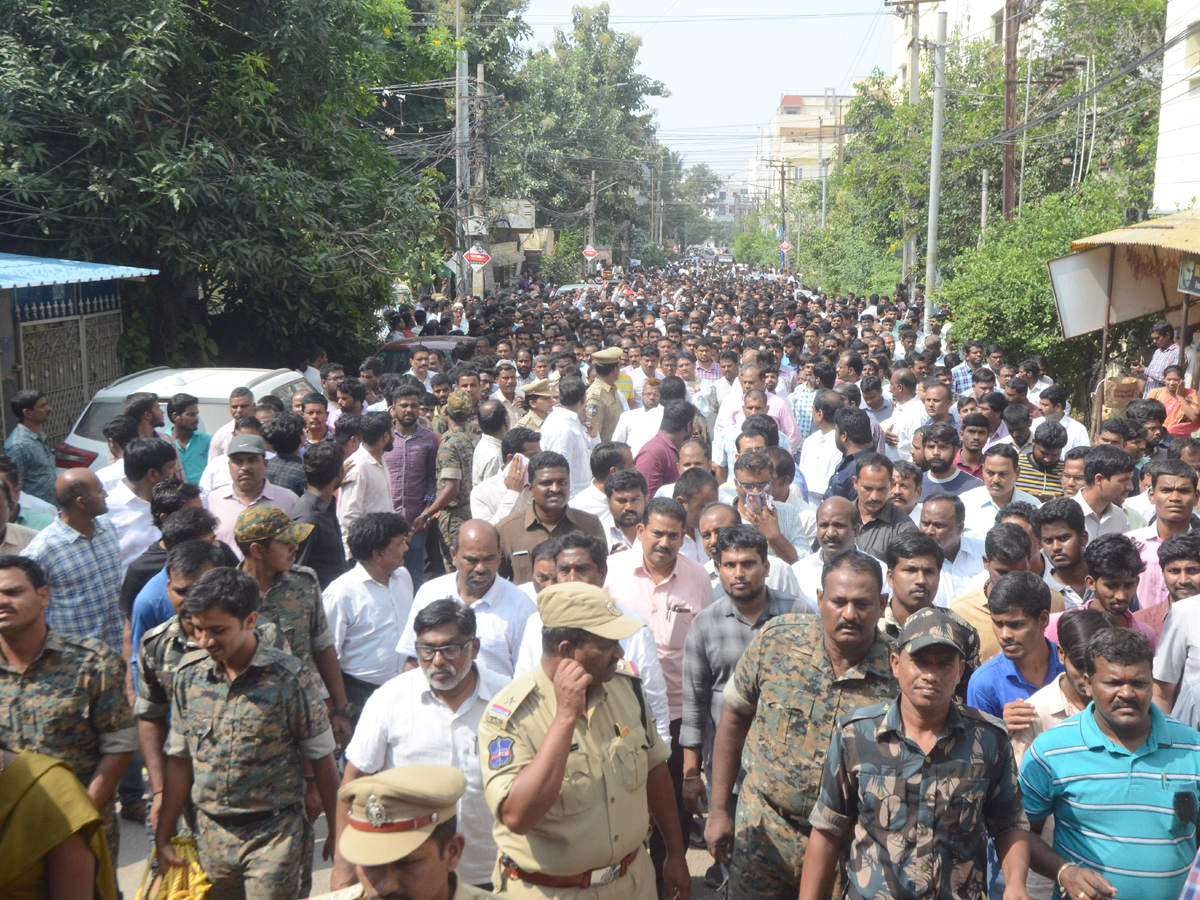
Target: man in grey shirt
x,y
881,520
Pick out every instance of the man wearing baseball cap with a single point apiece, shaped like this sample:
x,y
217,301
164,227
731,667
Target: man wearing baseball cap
x,y
248,486
573,767
291,598
920,782
402,835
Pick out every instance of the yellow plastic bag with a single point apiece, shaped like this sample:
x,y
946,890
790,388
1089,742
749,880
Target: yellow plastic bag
x,y
181,882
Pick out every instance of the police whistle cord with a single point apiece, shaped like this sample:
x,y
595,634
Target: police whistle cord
x,y
180,882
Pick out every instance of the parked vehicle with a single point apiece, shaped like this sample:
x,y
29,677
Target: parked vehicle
x,y
85,446
395,353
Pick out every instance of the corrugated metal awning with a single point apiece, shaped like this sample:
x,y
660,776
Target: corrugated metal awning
x,y
33,271
1180,232
506,254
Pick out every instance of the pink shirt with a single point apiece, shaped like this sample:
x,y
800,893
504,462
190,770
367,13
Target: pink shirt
x,y
1137,625
1151,589
777,409
669,607
226,506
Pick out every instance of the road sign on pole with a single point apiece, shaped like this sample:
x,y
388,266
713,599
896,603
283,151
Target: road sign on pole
x,y
590,252
785,246
477,257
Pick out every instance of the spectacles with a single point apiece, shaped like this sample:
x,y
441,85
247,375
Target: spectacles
x,y
450,652
755,488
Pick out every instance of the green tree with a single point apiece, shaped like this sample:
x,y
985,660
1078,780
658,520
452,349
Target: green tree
x,y
237,147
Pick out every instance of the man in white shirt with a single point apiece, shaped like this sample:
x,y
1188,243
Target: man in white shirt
x,y
432,716
943,517
780,577
564,432
643,420
1053,404
1108,476
118,431
366,487
501,608
908,414
147,462
1000,464
366,606
606,458
507,491
819,454
489,456
838,526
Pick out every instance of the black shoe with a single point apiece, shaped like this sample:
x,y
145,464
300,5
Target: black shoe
x,y
714,877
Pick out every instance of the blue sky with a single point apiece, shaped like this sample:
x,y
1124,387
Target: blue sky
x,y
726,65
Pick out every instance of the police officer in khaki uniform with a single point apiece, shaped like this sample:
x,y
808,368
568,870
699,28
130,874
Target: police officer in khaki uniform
x,y
573,767
401,835
541,400
602,403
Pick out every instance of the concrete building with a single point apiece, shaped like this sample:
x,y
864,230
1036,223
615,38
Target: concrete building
x,y
730,203
971,19
805,131
1177,170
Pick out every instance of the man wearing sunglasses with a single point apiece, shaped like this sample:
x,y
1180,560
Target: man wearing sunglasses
x,y
442,702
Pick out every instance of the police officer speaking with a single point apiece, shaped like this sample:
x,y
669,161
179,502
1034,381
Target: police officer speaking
x,y
573,766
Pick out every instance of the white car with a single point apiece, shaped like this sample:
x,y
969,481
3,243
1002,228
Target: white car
x,y
85,446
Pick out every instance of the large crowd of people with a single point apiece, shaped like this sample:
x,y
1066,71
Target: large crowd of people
x,y
682,559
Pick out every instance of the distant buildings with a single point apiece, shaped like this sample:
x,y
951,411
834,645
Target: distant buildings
x,y
730,203
805,131
1177,171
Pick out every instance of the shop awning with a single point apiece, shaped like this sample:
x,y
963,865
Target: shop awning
x,y
34,271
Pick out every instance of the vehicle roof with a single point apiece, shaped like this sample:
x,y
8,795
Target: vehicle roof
x,y
440,342
204,383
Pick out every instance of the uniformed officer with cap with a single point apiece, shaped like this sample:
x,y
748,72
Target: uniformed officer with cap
x,y
573,767
540,396
603,406
402,835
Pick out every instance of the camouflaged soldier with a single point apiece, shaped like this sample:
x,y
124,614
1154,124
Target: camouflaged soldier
x,y
541,400
918,783
573,767
291,598
244,718
454,458
795,681
163,649
402,836
64,696
602,405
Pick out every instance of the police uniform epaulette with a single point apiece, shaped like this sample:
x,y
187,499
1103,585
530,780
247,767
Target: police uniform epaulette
x,y
874,711
91,645
503,706
788,620
625,667
158,629
192,657
305,570
970,712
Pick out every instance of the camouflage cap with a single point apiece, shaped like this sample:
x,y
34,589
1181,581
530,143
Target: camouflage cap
x,y
934,625
395,811
579,605
460,403
264,522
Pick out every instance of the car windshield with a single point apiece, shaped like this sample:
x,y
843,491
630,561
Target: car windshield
x,y
95,417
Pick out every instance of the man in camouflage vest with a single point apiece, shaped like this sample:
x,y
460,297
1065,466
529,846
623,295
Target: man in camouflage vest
x,y
796,680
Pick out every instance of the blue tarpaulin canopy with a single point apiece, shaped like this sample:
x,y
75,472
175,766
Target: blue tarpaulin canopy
x,y
33,271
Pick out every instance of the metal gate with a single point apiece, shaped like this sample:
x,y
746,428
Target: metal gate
x,y
69,357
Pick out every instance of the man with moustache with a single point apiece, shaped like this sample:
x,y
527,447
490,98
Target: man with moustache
x,y
443,701
795,681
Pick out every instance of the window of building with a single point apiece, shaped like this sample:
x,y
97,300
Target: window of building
x,y
998,26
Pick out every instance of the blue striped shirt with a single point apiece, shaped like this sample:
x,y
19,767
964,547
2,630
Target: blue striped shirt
x,y
1113,809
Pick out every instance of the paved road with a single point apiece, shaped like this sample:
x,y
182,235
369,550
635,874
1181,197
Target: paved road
x,y
135,848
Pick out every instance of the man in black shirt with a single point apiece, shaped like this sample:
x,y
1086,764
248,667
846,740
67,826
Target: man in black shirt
x,y
322,551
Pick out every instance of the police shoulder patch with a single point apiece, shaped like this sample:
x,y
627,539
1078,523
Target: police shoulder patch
x,y
500,752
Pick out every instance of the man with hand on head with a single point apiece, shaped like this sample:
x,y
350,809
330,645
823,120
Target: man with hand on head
x,y
568,817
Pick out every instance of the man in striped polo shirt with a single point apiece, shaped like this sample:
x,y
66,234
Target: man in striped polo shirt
x,y
1122,781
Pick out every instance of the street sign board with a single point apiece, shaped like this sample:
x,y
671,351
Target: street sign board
x,y
477,257
785,246
590,252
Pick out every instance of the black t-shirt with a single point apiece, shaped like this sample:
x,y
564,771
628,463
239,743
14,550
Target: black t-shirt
x,y
140,571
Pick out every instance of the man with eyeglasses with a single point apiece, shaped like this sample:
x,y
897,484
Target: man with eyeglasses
x,y
443,702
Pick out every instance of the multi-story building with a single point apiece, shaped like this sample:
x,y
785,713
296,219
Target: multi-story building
x,y
804,133
1177,171
730,202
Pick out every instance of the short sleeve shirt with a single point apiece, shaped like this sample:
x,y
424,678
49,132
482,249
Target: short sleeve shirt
x,y
294,604
454,460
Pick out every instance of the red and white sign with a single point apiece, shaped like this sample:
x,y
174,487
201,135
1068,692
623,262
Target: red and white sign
x,y
590,252
477,257
785,246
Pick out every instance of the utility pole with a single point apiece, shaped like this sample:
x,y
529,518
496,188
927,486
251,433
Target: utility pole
x,y
914,97
983,204
782,212
821,165
479,195
1011,28
935,166
592,220
461,170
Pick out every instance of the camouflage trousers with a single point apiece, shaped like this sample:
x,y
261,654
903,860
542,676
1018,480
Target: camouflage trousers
x,y
449,522
258,860
768,853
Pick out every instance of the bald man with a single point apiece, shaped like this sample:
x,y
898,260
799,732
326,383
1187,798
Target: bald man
x,y
838,525
501,608
751,379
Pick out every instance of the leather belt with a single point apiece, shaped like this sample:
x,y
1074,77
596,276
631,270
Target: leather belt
x,y
587,879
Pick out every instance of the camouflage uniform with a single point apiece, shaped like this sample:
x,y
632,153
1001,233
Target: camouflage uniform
x,y
920,821
294,604
70,704
454,463
889,630
247,741
786,680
